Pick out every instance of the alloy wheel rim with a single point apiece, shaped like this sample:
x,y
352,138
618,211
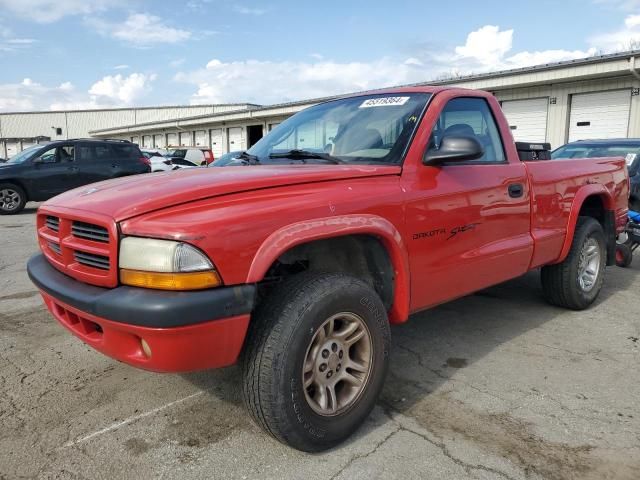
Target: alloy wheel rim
x,y
9,199
589,266
337,364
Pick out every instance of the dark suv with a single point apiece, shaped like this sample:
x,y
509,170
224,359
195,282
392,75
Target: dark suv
x,y
43,171
629,148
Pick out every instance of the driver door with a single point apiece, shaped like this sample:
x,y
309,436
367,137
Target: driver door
x,y
469,220
54,171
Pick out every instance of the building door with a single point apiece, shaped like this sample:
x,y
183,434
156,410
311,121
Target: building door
x,y
159,141
147,141
172,140
216,142
186,139
527,119
599,115
201,138
235,139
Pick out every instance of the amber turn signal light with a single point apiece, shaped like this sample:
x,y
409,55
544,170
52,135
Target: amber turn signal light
x,y
171,281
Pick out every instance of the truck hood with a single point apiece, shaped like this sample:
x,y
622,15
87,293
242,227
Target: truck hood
x,y
128,197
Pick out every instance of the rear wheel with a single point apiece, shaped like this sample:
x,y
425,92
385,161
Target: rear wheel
x,y
12,199
315,360
576,282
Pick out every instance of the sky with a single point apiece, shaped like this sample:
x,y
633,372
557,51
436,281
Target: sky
x,y
77,54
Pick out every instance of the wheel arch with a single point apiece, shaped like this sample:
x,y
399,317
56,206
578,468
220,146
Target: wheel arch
x,y
592,201
287,238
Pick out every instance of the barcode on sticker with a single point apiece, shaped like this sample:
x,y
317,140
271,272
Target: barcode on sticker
x,y
384,102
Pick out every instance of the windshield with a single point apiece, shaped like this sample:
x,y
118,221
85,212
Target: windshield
x,y
26,154
629,152
367,129
179,153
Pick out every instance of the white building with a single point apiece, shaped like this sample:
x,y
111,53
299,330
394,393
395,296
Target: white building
x,y
597,97
22,129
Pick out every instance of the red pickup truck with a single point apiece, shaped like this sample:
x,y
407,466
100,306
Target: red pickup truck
x,y
346,218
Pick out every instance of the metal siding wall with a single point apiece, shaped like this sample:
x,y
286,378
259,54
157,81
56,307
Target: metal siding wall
x,y
558,116
20,125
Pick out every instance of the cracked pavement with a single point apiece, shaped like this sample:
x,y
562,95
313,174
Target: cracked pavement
x,y
497,385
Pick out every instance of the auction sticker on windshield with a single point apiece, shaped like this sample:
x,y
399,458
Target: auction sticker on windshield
x,y
384,102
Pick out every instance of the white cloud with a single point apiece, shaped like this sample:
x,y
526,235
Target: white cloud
x,y
177,62
625,38
249,10
10,43
284,81
47,11
487,49
121,67
109,92
140,29
487,45
122,90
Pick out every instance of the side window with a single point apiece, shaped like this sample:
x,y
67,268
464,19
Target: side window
x,y
48,156
471,117
66,153
85,153
103,152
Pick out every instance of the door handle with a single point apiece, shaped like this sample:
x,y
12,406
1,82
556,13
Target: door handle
x,y
516,190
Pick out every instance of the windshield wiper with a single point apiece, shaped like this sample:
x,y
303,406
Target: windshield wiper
x,y
248,159
297,154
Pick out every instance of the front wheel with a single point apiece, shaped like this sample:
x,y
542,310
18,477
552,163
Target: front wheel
x,y
576,282
316,358
12,199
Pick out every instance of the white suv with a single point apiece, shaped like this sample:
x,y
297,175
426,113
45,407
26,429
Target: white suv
x,y
187,157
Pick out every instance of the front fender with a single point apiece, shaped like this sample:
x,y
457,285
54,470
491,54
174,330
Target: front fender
x,y
295,234
582,194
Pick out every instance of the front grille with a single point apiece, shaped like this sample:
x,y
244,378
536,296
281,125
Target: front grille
x,y
91,260
55,247
89,231
53,223
83,247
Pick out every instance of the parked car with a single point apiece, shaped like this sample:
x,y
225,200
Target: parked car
x,y
196,156
226,159
159,162
180,163
299,262
2,160
618,147
43,171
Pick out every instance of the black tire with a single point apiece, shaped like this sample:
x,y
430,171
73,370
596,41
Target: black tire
x,y
282,330
624,255
12,199
560,282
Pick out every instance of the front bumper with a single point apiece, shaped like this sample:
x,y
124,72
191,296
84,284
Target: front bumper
x,y
185,331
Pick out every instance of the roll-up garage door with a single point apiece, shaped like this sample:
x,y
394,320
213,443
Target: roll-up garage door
x,y
158,141
201,138
527,119
185,139
172,139
235,138
216,142
599,115
12,149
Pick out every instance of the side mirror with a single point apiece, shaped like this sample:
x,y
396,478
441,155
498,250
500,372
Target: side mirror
x,y
37,160
454,149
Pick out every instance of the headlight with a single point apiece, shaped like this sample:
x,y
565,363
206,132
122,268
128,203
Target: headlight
x,y
165,264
